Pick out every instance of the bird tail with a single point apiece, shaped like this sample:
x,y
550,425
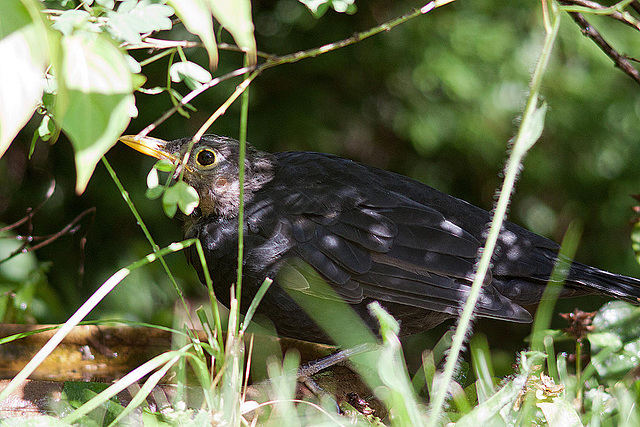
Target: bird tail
x,y
590,279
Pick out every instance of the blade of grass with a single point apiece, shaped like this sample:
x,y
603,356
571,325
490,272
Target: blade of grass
x,y
145,390
254,303
552,365
163,361
528,133
430,358
551,293
481,358
283,382
132,377
244,118
105,322
397,392
145,230
247,370
212,297
507,395
232,369
84,310
205,321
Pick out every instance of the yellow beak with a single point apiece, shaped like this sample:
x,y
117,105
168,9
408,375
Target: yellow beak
x,y
153,147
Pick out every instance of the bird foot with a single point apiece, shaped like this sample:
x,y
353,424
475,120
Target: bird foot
x,y
338,358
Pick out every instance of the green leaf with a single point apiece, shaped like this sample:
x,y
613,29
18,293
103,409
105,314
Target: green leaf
x,y
170,201
154,193
21,80
164,165
180,195
95,88
70,20
532,128
197,19
109,4
14,14
236,18
143,18
191,73
559,413
152,179
47,128
316,7
620,318
605,339
154,189
189,199
19,268
344,6
319,7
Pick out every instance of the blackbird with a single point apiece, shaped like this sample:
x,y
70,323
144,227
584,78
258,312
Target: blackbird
x,y
370,234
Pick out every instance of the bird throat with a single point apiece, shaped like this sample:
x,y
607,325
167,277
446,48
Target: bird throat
x,y
222,197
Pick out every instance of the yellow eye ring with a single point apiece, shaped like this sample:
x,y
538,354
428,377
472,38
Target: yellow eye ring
x,y
206,158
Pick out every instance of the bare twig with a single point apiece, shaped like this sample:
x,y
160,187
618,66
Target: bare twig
x,y
32,243
41,241
619,60
184,101
273,61
597,8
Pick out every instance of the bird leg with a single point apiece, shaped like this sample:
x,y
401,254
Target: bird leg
x,y
307,371
338,358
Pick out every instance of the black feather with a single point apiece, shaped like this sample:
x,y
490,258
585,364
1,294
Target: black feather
x,y
338,230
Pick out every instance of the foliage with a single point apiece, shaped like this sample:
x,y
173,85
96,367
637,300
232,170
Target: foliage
x,y
89,79
438,91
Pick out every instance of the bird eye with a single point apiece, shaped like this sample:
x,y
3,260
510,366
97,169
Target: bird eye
x,y
206,157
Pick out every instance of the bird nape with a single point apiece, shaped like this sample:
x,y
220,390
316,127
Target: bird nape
x,y
331,231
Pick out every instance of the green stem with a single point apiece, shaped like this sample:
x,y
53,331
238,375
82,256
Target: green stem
x,y
145,230
157,57
554,287
84,310
598,10
386,26
273,61
522,143
244,117
212,298
579,384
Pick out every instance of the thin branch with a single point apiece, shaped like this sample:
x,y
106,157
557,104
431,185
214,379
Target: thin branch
x,y
588,6
151,43
273,61
32,243
32,211
357,37
184,101
619,60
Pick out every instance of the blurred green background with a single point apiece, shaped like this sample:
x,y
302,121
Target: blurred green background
x,y
437,99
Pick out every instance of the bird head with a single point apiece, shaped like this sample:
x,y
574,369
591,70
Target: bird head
x,y
211,167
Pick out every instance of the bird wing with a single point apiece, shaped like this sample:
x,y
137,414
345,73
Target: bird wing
x,y
367,241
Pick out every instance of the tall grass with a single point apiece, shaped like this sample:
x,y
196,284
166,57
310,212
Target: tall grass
x,y
546,386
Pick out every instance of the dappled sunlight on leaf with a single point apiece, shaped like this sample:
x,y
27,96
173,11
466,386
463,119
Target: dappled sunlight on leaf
x,y
21,74
97,89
